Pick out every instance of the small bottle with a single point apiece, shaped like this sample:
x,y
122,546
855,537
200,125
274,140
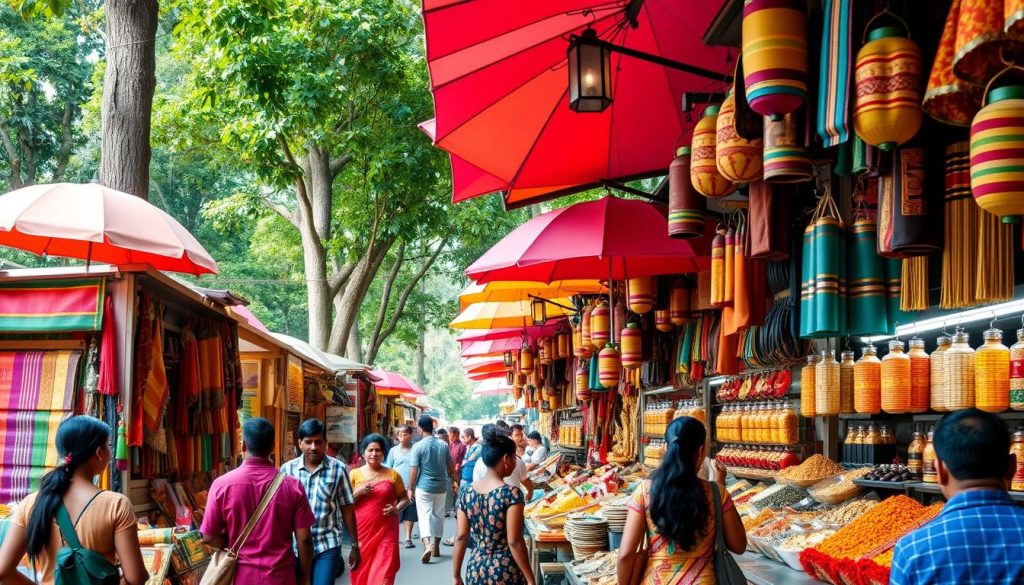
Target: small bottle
x,y
992,373
1017,448
929,474
915,454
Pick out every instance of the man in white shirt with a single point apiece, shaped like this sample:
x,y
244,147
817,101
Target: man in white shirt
x,y
519,478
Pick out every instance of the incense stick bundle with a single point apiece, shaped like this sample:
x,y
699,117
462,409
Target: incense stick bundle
x,y
914,293
995,253
960,244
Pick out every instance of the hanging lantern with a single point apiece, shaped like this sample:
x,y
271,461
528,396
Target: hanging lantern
x,y
583,383
640,292
739,160
997,141
775,55
980,40
580,350
510,377
703,166
632,346
517,393
585,327
662,321
590,74
609,366
546,349
887,107
600,333
526,361
507,358
678,304
562,345
685,206
521,379
538,311
785,157
946,98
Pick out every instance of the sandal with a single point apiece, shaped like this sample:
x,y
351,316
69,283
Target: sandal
x,y
448,541
409,544
425,557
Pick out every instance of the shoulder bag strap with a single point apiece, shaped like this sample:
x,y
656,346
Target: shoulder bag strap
x,y
67,528
264,503
717,500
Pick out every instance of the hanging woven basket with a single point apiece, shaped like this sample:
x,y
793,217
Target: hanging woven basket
x,y
774,49
704,173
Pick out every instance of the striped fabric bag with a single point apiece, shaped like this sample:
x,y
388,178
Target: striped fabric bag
x,y
834,74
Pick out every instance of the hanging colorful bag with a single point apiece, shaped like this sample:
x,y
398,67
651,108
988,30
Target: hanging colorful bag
x,y
774,48
685,206
905,225
866,290
887,107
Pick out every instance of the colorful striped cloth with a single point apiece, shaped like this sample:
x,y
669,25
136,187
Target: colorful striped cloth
x,y
37,392
834,75
52,305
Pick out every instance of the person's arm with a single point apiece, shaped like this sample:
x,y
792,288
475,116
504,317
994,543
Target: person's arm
x,y
213,526
527,484
461,540
11,553
133,568
304,540
346,501
719,474
414,472
451,467
517,543
632,536
735,535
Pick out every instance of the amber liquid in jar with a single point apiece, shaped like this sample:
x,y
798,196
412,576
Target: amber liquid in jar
x,y
915,454
807,387
867,382
920,377
846,367
896,379
992,373
938,373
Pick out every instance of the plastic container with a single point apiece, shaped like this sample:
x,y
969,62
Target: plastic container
x,y
992,373
807,387
833,499
846,367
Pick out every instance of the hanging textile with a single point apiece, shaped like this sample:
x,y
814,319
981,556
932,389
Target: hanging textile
x,y
143,363
188,379
960,228
718,268
946,98
742,291
90,380
37,393
995,273
769,221
107,383
905,224
728,292
834,74
807,323
866,160
156,393
827,305
914,291
866,285
52,305
727,362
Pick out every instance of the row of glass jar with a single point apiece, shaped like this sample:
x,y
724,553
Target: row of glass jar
x,y
772,459
658,415
870,435
953,377
763,422
570,432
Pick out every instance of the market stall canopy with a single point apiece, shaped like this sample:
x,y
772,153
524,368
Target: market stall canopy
x,y
395,384
534,331
493,347
480,376
327,361
514,290
484,366
610,237
499,76
493,387
97,224
507,314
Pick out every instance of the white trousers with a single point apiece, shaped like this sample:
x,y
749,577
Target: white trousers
x,y
430,513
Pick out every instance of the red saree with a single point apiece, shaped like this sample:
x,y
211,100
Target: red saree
x,y
378,534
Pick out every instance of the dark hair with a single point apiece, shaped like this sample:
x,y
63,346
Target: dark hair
x,y
535,436
312,427
77,440
426,424
678,504
971,444
406,428
258,436
518,427
496,446
469,432
374,438
442,432
501,424
453,431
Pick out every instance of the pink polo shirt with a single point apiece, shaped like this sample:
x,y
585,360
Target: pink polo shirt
x,y
266,557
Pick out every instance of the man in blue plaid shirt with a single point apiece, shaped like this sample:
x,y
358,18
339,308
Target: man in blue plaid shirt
x,y
329,492
979,536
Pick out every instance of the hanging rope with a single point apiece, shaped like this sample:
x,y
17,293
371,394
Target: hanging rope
x,y
914,293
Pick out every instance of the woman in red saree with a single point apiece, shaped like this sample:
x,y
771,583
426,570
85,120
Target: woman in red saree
x,y
380,498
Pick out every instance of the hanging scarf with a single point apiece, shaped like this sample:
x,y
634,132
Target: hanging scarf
x,y
107,384
143,363
834,74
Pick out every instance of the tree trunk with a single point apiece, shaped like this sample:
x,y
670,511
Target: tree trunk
x,y
348,301
421,350
128,95
355,344
318,293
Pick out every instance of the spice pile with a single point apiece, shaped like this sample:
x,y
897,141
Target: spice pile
x,y
786,496
751,522
805,540
880,526
840,488
846,513
815,467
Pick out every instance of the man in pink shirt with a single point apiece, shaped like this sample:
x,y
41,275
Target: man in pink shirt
x,y
266,557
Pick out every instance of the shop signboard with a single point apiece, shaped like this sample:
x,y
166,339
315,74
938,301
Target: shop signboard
x,y
342,424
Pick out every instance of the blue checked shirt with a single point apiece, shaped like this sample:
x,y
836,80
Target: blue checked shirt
x,y
328,488
977,539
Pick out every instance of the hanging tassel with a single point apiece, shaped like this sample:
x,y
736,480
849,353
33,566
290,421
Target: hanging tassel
x,y
914,290
121,449
994,281
729,293
960,244
718,268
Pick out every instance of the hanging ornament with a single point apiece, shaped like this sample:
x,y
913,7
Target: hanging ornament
x,y
887,109
600,333
739,160
640,292
703,166
775,55
562,345
960,242
718,268
662,321
632,346
526,361
685,205
609,366
980,40
678,303
583,383
585,328
866,299
997,141
547,351
580,350
946,98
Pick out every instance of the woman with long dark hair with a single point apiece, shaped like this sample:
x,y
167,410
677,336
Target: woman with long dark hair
x,y
103,521
380,498
674,511
491,512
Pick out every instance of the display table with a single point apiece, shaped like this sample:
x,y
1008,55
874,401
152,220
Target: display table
x,y
537,545
762,571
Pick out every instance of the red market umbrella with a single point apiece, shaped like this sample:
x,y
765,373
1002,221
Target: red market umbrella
x,y
468,336
478,377
493,347
608,238
484,366
500,82
392,383
94,223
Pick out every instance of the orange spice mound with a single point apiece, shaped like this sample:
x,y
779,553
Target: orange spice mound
x,y
885,522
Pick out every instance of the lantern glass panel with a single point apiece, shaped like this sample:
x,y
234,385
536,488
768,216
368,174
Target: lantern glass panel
x,y
510,377
508,358
590,79
538,312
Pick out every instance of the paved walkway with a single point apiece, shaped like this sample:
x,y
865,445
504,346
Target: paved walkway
x,y
413,572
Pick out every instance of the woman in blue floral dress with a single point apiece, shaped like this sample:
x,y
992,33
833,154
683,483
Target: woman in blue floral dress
x,y
491,513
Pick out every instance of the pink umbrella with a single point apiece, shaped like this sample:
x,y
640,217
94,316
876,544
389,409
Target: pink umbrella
x,y
492,387
485,376
484,366
608,238
535,331
393,383
500,79
94,223
491,347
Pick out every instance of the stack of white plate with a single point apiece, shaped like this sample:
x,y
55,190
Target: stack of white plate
x,y
615,513
587,535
